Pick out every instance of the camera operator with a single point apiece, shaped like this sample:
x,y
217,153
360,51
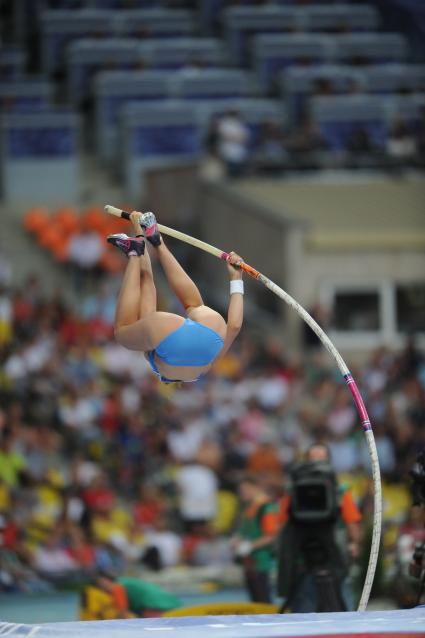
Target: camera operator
x,y
313,567
417,564
253,544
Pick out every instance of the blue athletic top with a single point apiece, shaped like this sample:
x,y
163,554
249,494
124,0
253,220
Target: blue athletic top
x,y
192,344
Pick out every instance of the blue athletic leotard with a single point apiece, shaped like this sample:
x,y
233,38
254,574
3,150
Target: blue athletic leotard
x,y
192,344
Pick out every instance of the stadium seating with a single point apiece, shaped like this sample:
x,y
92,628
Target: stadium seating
x,y
156,22
12,63
339,116
297,83
156,132
25,95
340,17
40,156
123,4
273,52
213,84
160,132
409,107
393,78
175,53
85,57
112,90
242,21
59,27
370,48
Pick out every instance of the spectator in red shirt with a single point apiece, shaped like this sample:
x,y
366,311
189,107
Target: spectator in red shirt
x,y
150,507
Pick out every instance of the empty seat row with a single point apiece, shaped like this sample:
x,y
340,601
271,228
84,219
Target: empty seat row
x,y
40,156
60,27
12,63
273,52
120,4
296,83
25,95
241,22
87,56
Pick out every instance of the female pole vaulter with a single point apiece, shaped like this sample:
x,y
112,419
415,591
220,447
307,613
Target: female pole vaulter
x,y
177,348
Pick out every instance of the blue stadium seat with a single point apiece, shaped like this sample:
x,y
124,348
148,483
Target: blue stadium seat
x,y
273,52
338,117
85,57
124,4
244,21
340,17
213,84
297,83
25,95
112,90
59,27
392,78
156,133
409,107
174,53
159,132
157,23
40,156
12,63
377,48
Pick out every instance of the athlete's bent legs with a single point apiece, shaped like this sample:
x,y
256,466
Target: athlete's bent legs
x,y
138,325
187,292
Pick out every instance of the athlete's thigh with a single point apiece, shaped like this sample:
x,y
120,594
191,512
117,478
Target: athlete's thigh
x,y
208,317
146,333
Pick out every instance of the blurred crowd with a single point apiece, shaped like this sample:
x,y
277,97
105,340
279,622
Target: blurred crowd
x,y
104,468
232,150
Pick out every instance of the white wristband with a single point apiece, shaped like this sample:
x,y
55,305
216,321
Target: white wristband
x,y
236,285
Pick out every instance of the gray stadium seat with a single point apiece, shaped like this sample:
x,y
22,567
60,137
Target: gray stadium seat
x,y
375,48
88,56
243,21
122,4
392,78
340,17
408,107
273,52
339,116
25,95
155,133
40,156
297,83
12,63
61,26
213,84
112,89
156,22
173,53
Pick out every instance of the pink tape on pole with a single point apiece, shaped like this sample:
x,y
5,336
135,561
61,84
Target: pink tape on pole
x,y
358,401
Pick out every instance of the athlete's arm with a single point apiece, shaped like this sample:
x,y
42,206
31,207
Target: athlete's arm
x,y
235,310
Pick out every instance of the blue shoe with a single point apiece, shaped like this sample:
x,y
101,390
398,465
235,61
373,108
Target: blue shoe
x,y
130,246
150,228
